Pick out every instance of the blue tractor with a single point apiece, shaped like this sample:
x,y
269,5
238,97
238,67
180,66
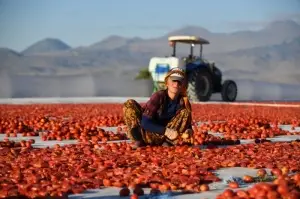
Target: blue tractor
x,y
204,78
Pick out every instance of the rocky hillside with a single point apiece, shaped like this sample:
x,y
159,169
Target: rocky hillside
x,y
272,50
47,45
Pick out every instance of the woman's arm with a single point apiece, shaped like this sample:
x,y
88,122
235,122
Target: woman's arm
x,y
150,111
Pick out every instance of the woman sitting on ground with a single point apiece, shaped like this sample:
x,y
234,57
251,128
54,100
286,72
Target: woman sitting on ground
x,y
165,119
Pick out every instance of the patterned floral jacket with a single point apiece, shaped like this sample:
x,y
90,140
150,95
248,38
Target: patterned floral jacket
x,y
155,106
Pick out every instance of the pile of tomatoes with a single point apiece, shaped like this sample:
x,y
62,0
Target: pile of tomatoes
x,y
94,162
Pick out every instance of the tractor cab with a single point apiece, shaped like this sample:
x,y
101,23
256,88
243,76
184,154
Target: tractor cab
x,y
193,58
192,41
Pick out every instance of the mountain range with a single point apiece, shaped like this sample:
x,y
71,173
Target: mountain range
x,y
270,54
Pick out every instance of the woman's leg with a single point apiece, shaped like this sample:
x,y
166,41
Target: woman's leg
x,y
180,122
153,138
132,112
132,117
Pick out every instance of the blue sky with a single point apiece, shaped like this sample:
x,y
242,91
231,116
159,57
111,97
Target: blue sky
x,y
83,22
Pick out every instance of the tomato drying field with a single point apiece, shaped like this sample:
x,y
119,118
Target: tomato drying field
x,y
78,150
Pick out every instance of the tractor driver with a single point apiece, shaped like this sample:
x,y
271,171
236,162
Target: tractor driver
x,y
165,119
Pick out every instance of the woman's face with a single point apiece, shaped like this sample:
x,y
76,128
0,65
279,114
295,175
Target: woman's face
x,y
174,86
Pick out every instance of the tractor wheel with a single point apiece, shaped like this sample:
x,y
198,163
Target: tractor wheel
x,y
200,86
229,91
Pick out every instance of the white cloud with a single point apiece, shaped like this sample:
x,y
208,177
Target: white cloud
x,y
256,25
140,27
288,16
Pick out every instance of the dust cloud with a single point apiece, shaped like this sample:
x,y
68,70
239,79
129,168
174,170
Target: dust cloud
x,y
124,85
23,86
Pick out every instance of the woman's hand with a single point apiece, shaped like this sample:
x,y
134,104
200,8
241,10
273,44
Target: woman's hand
x,y
171,134
187,134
